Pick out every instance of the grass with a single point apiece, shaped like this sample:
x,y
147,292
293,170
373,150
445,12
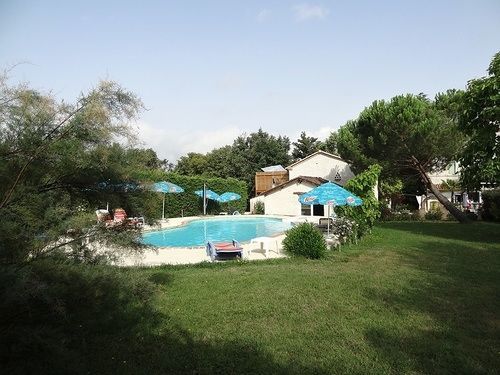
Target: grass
x,y
410,298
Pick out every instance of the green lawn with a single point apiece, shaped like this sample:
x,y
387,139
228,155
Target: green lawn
x,y
410,298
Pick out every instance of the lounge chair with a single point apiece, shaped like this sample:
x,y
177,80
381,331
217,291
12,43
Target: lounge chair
x,y
223,249
119,215
119,219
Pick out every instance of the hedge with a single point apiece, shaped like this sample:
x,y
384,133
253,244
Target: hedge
x,y
491,205
188,203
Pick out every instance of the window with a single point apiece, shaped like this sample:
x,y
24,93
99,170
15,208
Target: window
x,y
305,209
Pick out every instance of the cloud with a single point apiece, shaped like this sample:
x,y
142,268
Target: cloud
x,y
174,142
322,133
307,12
263,15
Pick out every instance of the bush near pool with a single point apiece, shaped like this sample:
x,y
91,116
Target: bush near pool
x,y
305,240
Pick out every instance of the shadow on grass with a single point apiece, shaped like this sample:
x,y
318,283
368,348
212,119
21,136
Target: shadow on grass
x,y
479,231
457,289
60,319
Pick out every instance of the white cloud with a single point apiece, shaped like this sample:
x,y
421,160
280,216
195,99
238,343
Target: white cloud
x,y
322,133
263,15
307,12
172,143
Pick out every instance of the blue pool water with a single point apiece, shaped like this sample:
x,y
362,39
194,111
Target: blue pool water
x,y
198,232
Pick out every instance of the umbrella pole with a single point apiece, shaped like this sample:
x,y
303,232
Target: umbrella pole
x,y
163,211
328,220
204,200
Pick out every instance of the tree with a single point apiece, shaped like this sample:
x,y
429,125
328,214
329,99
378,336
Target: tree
x,y
57,161
223,162
52,158
258,150
241,160
406,133
330,144
480,119
305,146
194,164
149,159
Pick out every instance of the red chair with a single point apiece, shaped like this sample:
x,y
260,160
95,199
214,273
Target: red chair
x,y
119,215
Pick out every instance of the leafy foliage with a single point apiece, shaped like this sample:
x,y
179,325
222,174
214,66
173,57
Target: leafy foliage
x,y
259,208
480,119
187,203
402,214
363,186
491,205
305,146
53,157
58,163
345,229
241,160
434,214
305,240
330,144
399,133
407,133
192,164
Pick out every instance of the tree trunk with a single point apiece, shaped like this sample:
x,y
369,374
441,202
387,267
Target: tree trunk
x,y
454,211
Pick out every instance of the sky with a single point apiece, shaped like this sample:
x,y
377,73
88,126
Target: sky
x,y
209,71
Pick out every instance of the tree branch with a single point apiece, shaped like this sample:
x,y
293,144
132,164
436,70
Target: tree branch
x,y
37,151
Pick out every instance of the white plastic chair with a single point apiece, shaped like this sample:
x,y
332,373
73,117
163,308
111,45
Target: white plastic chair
x,y
265,244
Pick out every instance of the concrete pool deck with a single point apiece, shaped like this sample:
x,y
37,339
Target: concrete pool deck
x,y
184,255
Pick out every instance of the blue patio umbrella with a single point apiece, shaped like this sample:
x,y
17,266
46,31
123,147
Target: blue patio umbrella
x,y
330,194
228,197
166,187
208,193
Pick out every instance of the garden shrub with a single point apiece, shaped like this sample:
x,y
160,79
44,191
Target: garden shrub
x,y
362,185
491,205
471,215
434,214
345,229
305,240
386,214
259,208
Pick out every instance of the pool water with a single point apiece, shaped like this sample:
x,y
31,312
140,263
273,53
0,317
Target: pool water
x,y
198,232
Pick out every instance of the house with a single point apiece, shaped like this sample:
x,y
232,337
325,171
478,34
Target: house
x,y
322,164
280,193
468,200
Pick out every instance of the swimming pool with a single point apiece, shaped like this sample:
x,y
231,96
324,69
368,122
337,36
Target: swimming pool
x,y
198,232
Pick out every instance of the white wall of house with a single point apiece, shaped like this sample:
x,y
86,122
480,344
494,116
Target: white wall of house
x,y
254,200
284,201
322,165
452,172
